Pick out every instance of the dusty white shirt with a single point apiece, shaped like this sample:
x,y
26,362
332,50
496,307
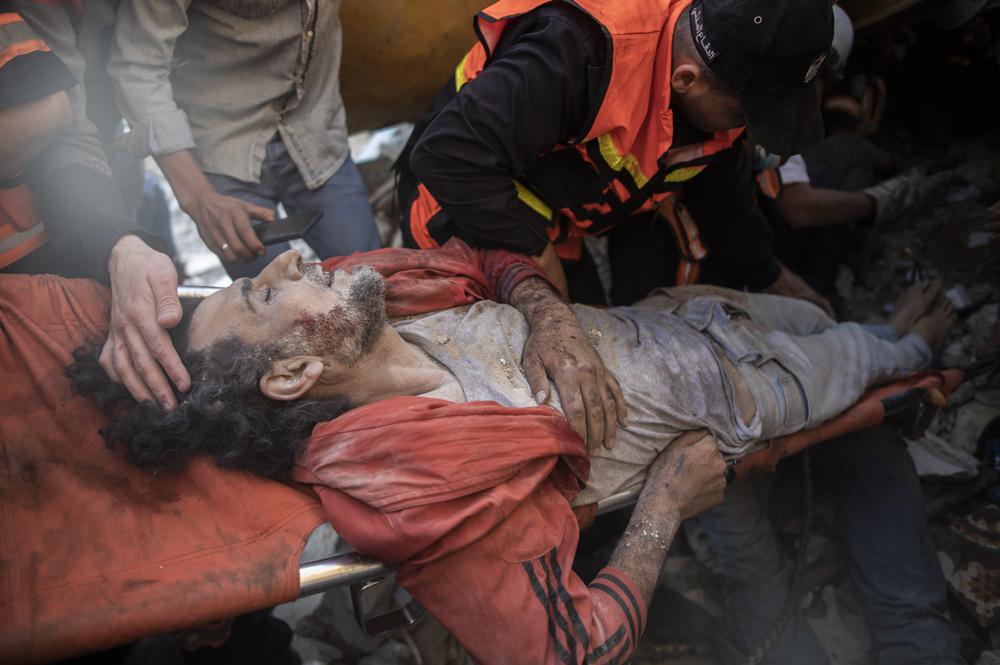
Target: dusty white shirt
x,y
669,373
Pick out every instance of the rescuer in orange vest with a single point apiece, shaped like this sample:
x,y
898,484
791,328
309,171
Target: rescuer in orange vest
x,y
60,209
569,118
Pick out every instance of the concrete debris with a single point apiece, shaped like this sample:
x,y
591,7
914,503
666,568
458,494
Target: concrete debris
x,y
840,625
980,324
936,458
971,420
962,394
989,658
959,296
957,353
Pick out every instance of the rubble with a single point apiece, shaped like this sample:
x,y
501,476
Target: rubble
x,y
936,458
970,422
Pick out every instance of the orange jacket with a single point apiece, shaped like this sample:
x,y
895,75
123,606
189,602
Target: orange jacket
x,y
470,503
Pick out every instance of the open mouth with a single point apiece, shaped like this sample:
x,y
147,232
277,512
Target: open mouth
x,y
315,274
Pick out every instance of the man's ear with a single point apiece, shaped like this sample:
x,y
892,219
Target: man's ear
x,y
688,78
291,378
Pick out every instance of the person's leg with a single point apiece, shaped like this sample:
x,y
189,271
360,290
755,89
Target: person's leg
x,y
348,224
788,315
835,367
880,516
737,542
259,193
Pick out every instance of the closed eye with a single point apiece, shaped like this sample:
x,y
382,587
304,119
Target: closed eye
x,y
268,294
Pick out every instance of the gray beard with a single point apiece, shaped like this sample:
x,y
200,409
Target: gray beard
x,y
366,307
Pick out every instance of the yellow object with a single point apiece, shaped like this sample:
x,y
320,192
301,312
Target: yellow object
x,y
398,54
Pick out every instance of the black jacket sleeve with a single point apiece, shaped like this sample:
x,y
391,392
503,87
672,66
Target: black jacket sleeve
x,y
536,93
721,200
84,216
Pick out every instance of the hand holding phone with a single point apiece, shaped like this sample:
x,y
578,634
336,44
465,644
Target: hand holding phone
x,y
287,228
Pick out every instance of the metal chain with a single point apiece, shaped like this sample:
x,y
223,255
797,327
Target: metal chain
x,y
798,571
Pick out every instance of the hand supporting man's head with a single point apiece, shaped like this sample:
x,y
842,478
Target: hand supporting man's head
x,y
266,356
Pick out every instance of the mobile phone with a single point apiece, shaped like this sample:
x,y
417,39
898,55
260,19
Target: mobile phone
x,y
287,228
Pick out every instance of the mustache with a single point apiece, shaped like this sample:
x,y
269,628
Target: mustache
x,y
315,274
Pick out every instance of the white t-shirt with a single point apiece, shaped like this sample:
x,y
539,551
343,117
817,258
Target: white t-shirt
x,y
794,171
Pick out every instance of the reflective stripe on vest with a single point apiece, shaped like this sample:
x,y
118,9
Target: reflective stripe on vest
x,y
16,38
689,245
20,231
769,183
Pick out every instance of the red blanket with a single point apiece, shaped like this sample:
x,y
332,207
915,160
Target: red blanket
x,y
93,551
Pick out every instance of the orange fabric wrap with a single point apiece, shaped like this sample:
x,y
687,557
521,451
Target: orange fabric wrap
x,y
93,551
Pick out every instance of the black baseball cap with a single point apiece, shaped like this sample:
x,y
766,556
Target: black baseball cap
x,y
770,51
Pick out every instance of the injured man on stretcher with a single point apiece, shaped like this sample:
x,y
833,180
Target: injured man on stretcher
x,y
401,385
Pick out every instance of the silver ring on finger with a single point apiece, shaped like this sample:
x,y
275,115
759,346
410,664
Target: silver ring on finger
x,y
224,247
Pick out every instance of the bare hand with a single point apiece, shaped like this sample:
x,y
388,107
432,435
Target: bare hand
x,y
224,221
558,349
691,473
144,305
791,285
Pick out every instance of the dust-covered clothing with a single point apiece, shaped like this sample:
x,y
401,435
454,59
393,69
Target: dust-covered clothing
x,y
668,353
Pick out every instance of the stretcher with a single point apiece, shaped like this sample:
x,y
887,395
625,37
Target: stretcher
x,y
96,553
911,403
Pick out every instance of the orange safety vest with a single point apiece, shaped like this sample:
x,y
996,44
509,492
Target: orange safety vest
x,y
21,232
628,143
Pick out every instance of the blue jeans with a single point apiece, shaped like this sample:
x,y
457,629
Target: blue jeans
x,y
347,226
880,518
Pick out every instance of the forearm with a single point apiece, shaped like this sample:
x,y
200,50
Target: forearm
x,y
803,206
186,178
28,128
537,299
643,548
146,32
84,216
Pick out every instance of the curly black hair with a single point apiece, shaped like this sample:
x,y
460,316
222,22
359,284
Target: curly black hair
x,y
224,414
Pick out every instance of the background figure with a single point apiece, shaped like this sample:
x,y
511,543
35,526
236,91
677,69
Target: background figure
x,y
821,200
880,519
240,105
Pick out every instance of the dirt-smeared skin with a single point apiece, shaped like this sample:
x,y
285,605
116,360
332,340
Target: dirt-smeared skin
x,y
558,349
684,480
349,331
